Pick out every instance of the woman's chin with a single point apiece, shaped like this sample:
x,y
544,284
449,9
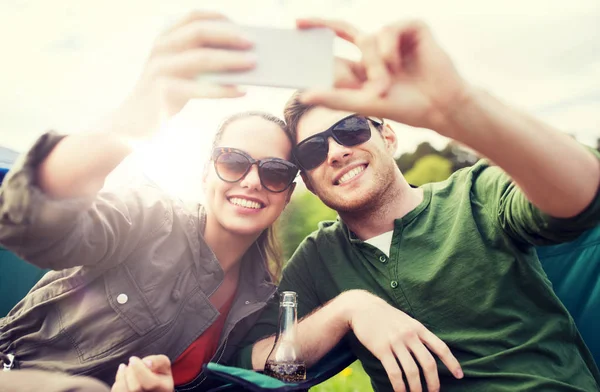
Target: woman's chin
x,y
244,229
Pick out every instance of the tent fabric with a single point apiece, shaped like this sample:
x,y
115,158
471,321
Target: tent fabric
x,y
7,158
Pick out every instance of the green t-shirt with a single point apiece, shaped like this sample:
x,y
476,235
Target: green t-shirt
x,y
464,265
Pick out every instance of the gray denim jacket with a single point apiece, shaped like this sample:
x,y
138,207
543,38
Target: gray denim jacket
x,y
132,275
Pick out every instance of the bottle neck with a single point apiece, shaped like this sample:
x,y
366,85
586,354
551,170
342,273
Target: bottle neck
x,y
288,317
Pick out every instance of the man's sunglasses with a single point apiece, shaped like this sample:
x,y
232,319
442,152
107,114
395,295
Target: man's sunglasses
x,y
349,131
231,165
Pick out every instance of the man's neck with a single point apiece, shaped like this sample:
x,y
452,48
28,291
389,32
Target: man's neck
x,y
398,200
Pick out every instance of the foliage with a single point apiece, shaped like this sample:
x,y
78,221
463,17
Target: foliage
x,y
351,379
457,155
430,168
300,218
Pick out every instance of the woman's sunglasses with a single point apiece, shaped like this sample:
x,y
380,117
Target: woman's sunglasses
x,y
349,131
231,165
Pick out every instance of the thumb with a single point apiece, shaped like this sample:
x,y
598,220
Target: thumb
x,y
158,364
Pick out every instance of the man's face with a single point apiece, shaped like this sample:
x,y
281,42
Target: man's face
x,y
351,178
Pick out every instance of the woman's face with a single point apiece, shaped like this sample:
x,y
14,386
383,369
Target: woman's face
x,y
246,207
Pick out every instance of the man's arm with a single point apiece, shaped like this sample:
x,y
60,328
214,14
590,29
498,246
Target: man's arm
x,y
317,333
556,173
393,337
412,80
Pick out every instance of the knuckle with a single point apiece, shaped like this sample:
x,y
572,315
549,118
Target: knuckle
x,y
444,351
408,334
380,350
395,374
198,33
361,40
429,365
411,372
399,387
202,55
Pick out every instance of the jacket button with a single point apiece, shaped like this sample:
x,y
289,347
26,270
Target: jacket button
x,y
122,299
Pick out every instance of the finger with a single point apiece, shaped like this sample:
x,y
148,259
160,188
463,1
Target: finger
x,y
428,365
201,34
194,16
359,101
409,367
184,90
394,373
348,74
158,363
438,347
342,29
194,62
147,380
120,384
389,46
133,384
376,69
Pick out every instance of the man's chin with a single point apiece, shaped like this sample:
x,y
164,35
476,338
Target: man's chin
x,y
348,204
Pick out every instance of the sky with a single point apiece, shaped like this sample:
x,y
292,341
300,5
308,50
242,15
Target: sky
x,y
66,64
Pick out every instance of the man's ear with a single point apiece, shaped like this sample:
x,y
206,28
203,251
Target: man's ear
x,y
389,138
290,191
307,182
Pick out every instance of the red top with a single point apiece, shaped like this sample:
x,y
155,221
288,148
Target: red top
x,y
189,364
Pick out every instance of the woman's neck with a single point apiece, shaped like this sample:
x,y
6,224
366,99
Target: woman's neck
x,y
228,247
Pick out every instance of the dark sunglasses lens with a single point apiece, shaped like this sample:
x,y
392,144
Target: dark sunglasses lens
x,y
277,175
231,166
352,131
312,152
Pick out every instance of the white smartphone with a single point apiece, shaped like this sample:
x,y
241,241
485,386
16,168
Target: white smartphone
x,y
289,58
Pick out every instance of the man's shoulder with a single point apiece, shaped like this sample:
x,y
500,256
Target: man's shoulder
x,y
329,232
467,177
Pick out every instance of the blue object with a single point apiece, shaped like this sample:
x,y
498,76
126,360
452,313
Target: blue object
x,y
3,171
574,270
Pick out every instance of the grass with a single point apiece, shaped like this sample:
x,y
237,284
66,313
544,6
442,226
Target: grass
x,y
351,379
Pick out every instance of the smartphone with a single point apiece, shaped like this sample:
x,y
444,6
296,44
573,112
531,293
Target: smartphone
x,y
289,58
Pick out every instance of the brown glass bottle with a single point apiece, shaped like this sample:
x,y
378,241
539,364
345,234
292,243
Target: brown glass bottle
x,y
285,362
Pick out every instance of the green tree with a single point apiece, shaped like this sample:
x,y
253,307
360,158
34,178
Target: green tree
x,y
430,168
407,160
300,218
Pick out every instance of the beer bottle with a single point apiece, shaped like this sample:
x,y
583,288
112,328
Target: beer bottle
x,y
284,362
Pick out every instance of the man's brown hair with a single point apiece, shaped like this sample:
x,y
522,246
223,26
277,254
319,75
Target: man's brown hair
x,y
292,112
